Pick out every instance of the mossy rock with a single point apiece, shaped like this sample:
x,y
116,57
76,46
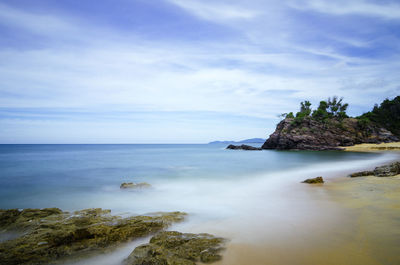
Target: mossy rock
x,y
389,170
314,180
175,248
132,185
48,235
361,174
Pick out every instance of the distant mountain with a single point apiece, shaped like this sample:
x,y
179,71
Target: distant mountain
x,y
247,141
252,140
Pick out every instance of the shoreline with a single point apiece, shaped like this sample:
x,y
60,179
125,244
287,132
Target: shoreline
x,y
282,221
368,234
382,147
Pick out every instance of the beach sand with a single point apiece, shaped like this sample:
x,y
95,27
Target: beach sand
x,y
363,230
394,146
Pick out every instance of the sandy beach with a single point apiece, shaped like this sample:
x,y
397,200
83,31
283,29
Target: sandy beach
x,y
394,146
361,225
368,233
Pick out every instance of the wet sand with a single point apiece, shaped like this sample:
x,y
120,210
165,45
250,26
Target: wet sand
x,y
361,227
394,146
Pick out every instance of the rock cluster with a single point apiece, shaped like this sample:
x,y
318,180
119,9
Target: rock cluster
x,y
314,180
243,147
48,235
132,185
175,248
311,134
390,170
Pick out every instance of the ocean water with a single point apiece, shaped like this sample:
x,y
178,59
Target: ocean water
x,y
77,176
232,193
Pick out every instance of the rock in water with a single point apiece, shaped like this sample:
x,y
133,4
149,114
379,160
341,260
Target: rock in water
x,y
132,185
387,170
314,180
243,147
311,134
174,248
362,174
390,170
50,234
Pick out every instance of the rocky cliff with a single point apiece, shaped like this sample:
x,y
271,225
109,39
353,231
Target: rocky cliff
x,y
313,134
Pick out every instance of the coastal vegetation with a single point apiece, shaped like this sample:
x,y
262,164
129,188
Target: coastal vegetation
x,y
387,115
332,108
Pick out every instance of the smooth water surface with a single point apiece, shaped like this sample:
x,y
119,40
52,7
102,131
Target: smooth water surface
x,y
254,198
79,176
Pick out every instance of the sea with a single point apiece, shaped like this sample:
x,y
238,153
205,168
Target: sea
x,y
231,193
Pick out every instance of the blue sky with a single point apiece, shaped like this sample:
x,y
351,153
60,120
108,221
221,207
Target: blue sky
x,y
186,71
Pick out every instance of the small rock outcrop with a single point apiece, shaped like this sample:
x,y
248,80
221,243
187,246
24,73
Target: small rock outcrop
x,y
243,147
314,180
48,235
361,174
390,170
312,134
132,185
387,170
172,248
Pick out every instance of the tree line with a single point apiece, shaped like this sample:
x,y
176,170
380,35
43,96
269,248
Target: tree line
x,y
327,109
386,115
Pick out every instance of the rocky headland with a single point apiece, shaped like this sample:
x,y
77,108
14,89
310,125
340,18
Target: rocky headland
x,y
329,127
311,134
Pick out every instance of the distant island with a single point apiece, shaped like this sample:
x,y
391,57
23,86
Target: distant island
x,y
330,128
247,141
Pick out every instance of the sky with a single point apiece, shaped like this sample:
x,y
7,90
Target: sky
x,y
186,71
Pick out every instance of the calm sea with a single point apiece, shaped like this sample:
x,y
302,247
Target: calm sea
x,y
80,176
250,197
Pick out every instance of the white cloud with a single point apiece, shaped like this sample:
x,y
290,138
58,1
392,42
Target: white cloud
x,y
212,10
354,7
36,23
257,77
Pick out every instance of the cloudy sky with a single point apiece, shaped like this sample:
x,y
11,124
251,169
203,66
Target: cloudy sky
x,y
186,71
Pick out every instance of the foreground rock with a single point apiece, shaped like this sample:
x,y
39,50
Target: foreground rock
x,y
314,180
311,134
49,235
243,147
174,248
390,170
132,185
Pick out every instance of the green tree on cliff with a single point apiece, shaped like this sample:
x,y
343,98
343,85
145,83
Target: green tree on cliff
x,y
332,108
321,113
386,115
305,109
336,108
